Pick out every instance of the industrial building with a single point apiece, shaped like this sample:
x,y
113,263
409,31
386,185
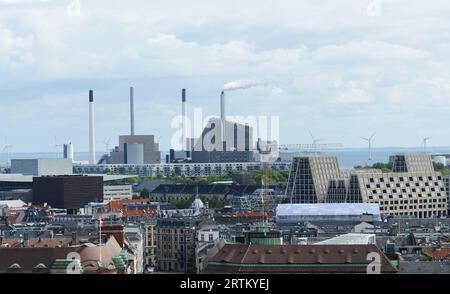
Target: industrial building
x,y
135,149
42,167
67,192
236,145
413,189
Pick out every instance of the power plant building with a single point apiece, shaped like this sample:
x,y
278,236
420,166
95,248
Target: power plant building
x,y
236,145
137,149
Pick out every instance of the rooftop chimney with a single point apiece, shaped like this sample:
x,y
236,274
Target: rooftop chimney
x,y
132,110
92,159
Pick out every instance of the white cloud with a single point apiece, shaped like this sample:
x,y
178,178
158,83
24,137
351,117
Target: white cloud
x,y
333,63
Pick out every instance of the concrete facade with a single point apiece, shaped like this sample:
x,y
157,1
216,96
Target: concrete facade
x,y
117,192
42,167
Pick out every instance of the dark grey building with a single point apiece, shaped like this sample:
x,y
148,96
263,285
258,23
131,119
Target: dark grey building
x,y
236,146
67,192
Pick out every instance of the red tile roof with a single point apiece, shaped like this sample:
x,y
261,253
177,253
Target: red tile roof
x,y
235,258
438,253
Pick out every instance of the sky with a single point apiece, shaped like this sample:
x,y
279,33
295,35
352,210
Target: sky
x,y
338,69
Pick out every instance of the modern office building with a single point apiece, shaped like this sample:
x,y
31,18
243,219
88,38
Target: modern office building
x,y
67,192
411,162
42,167
414,189
117,192
309,178
447,188
417,194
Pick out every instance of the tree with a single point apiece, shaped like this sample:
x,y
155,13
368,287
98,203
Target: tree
x,y
145,193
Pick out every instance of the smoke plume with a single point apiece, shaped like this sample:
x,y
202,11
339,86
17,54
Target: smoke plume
x,y
247,84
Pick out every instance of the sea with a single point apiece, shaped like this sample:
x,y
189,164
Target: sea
x,y
347,157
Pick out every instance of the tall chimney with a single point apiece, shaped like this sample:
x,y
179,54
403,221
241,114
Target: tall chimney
x,y
184,119
222,116
132,110
92,159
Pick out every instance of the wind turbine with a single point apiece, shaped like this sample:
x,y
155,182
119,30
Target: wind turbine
x,y
7,149
425,140
369,140
315,141
57,146
106,143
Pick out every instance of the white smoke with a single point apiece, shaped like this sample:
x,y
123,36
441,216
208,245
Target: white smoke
x,y
247,84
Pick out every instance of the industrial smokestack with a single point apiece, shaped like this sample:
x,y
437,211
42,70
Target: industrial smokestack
x,y
132,110
68,151
222,115
92,159
184,119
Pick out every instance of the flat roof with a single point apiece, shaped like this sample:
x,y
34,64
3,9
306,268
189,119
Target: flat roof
x,y
307,209
349,239
19,178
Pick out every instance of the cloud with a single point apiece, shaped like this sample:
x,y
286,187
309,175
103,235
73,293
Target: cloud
x,y
336,66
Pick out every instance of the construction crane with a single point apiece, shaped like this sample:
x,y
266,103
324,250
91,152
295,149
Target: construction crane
x,y
314,146
266,150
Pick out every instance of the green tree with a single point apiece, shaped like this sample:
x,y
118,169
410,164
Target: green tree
x,y
145,193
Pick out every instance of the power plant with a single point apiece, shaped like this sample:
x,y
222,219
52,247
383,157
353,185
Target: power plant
x,y
134,149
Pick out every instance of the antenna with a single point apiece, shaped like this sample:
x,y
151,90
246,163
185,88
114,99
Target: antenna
x,y
425,140
369,140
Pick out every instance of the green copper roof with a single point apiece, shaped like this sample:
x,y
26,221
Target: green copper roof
x,y
118,262
40,266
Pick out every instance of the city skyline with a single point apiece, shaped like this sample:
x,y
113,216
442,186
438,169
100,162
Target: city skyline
x,y
342,79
